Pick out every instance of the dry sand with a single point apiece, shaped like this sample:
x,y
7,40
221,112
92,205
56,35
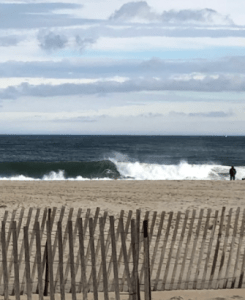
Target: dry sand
x,y
114,196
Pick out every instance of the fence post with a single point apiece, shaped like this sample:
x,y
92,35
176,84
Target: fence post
x,y
157,241
124,250
64,243
91,233
34,267
22,287
103,259
16,263
114,257
38,256
60,247
147,262
137,249
4,258
135,271
46,258
27,263
50,260
82,257
163,251
71,252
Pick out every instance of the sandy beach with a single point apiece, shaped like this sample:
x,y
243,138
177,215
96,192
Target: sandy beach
x,y
115,195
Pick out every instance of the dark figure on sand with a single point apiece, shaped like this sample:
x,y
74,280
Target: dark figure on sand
x,y
232,173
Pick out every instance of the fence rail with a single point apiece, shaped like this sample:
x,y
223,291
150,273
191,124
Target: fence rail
x,y
66,251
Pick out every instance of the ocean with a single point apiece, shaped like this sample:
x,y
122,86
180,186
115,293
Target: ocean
x,y
70,157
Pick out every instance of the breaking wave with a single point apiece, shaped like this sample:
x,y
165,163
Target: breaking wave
x,y
114,169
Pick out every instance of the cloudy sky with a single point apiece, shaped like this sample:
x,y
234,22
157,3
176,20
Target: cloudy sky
x,y
119,67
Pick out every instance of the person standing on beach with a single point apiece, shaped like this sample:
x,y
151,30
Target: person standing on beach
x,y
232,173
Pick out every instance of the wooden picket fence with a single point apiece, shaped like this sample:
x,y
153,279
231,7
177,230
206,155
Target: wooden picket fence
x,y
62,251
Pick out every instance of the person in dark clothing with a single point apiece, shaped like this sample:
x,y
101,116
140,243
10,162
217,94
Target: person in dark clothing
x,y
232,173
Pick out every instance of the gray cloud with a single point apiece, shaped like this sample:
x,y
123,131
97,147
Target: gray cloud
x,y
83,43
211,114
208,84
76,119
151,115
206,15
51,41
141,10
36,15
154,67
10,40
131,10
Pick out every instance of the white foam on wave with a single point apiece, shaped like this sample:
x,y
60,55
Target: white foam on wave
x,y
182,171
52,176
145,171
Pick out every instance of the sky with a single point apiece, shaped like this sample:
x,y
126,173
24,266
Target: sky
x,y
120,67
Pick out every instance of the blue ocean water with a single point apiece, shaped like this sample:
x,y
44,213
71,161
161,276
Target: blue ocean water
x,y
69,157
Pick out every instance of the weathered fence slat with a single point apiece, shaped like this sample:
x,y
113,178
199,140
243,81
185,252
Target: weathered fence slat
x,y
88,252
134,272
91,233
38,260
196,236
125,256
36,288
27,264
50,259
51,222
157,242
108,242
228,267
163,251
119,262
186,250
241,277
201,250
220,280
64,241
62,212
71,256
137,250
150,238
4,262
16,263
114,257
83,280
238,251
147,278
22,242
216,252
179,249
68,264
203,282
171,250
103,258
79,252
8,240
129,253
61,271
141,244
98,248
22,288
5,217
17,235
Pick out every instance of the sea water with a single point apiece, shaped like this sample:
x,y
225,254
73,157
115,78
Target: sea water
x,y
70,157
